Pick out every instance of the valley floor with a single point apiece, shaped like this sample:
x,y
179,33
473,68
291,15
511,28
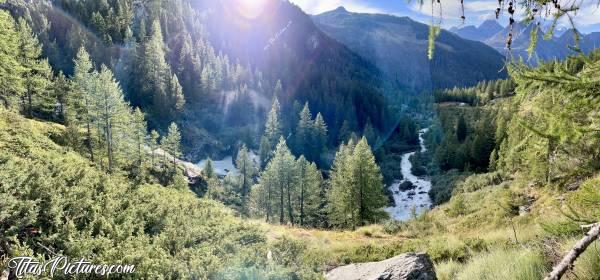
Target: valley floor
x,y
470,237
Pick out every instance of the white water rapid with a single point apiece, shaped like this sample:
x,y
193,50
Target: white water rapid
x,y
417,198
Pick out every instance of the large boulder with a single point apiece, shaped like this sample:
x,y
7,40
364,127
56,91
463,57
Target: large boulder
x,y
411,266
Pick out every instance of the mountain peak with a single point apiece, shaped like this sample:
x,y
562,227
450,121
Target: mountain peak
x,y
340,9
490,23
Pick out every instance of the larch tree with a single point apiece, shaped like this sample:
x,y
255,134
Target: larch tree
x,y
356,196
153,144
83,78
278,183
172,143
112,111
246,172
273,131
139,132
304,132
38,74
209,170
11,78
320,128
309,183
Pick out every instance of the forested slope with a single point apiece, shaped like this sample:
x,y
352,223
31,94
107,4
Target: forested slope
x,y
188,62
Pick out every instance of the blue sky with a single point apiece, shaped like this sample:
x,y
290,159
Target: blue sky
x,y
476,11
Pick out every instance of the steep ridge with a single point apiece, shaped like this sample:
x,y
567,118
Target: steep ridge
x,y
398,46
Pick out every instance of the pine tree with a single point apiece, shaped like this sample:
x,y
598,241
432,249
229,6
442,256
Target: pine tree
x,y
341,197
273,131
320,137
37,71
172,143
356,196
153,143
11,70
309,193
344,133
369,183
247,171
304,132
369,132
155,74
139,133
111,110
83,78
278,182
176,98
209,171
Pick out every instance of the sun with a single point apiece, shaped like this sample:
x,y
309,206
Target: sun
x,y
250,8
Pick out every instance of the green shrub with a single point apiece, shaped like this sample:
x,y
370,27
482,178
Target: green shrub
x,y
392,227
479,181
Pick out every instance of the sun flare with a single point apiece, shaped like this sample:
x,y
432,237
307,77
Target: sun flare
x,y
250,8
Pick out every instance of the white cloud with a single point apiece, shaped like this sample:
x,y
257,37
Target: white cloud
x,y
320,6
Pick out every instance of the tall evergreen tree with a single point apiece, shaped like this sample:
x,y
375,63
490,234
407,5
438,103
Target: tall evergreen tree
x,y
278,184
139,132
247,171
209,170
309,192
37,73
172,143
356,196
11,70
304,132
83,78
273,131
153,143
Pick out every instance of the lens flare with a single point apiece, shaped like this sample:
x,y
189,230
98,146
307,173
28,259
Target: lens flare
x,y
250,9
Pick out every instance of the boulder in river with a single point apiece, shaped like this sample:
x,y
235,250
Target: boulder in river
x,y
406,185
410,266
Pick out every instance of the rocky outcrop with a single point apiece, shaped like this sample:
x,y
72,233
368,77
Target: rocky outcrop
x,y
411,266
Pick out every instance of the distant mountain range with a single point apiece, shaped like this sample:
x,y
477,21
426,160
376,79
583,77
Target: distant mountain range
x,y
398,46
486,30
494,35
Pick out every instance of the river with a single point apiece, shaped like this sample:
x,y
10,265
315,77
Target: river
x,y
417,198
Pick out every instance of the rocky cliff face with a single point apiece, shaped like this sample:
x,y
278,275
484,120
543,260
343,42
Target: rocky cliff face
x,y
410,266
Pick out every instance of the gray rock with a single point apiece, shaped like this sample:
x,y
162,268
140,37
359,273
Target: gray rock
x,y
410,266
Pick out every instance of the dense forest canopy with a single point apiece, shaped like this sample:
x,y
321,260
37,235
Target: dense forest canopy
x,y
185,62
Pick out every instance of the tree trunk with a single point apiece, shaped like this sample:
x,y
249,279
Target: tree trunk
x,y
289,197
281,215
29,104
571,256
89,144
302,203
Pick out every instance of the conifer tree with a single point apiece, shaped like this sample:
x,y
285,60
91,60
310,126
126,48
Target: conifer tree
x,y
309,192
37,71
172,143
273,131
246,171
83,78
209,171
356,196
320,128
304,132
139,134
153,143
111,110
11,70
278,183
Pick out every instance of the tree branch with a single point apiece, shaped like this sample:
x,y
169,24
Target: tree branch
x,y
578,249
